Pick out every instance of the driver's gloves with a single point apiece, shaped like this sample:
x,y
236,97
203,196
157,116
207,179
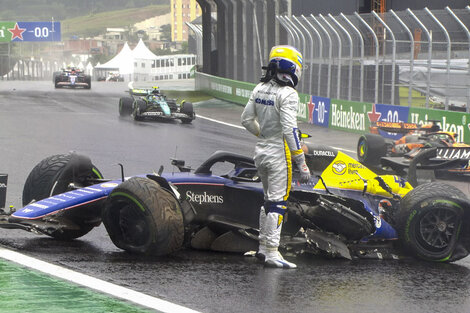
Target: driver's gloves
x,y
299,160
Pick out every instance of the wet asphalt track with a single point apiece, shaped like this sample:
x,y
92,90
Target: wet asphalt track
x,y
37,121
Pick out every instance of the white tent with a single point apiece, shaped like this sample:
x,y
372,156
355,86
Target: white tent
x,y
89,69
122,62
142,52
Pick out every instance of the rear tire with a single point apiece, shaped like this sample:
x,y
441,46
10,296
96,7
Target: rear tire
x,y
430,221
370,148
187,108
52,176
142,217
56,83
88,81
125,106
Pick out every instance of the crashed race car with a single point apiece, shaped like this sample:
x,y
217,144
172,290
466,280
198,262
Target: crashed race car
x,y
71,77
151,104
422,147
346,211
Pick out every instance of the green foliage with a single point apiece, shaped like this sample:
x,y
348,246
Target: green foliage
x,y
44,10
184,47
91,25
166,32
418,99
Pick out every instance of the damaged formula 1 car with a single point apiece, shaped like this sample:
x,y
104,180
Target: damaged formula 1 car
x,y
423,147
151,104
347,211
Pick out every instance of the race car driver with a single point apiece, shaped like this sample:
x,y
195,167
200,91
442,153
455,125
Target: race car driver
x,y
271,115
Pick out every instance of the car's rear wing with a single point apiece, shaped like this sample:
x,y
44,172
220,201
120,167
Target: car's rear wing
x,y
395,127
138,92
3,189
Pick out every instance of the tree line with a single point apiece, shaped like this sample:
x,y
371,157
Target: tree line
x,y
45,10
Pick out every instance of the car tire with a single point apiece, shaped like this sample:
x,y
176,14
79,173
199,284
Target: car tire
x,y
142,217
56,83
52,176
139,106
187,108
125,106
430,220
88,81
370,148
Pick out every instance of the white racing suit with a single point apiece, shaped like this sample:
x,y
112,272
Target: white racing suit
x,y
271,115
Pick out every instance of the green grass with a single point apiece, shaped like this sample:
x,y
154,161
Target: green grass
x,y
418,99
97,23
188,95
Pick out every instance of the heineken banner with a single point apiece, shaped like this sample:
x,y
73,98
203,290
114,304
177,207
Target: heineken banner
x,y
350,116
29,31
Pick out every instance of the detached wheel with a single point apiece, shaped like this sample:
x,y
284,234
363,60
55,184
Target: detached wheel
x,y
52,176
187,108
125,106
370,148
430,221
142,217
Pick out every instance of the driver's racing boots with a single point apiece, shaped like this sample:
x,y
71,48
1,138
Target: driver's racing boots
x,y
274,259
270,235
261,254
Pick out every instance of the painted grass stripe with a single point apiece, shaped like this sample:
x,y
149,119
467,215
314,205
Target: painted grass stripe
x,y
93,283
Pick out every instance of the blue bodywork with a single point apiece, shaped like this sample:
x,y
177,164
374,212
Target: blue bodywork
x,y
191,181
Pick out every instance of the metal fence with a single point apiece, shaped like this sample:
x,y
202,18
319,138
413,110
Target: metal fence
x,y
392,58
26,69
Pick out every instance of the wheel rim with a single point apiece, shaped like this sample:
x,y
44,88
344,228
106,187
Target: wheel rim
x,y
362,149
133,226
437,228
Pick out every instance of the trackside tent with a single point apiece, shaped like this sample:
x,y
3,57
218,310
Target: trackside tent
x,y
141,52
123,63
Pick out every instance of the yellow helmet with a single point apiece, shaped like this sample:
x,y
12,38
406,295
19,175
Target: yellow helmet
x,y
288,60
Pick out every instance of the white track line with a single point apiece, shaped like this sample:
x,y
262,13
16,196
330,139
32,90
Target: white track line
x,y
220,122
240,127
93,283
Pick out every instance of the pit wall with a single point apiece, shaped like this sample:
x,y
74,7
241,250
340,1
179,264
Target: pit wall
x,y
342,115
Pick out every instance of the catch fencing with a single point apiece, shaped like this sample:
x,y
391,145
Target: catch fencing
x,y
26,69
400,58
